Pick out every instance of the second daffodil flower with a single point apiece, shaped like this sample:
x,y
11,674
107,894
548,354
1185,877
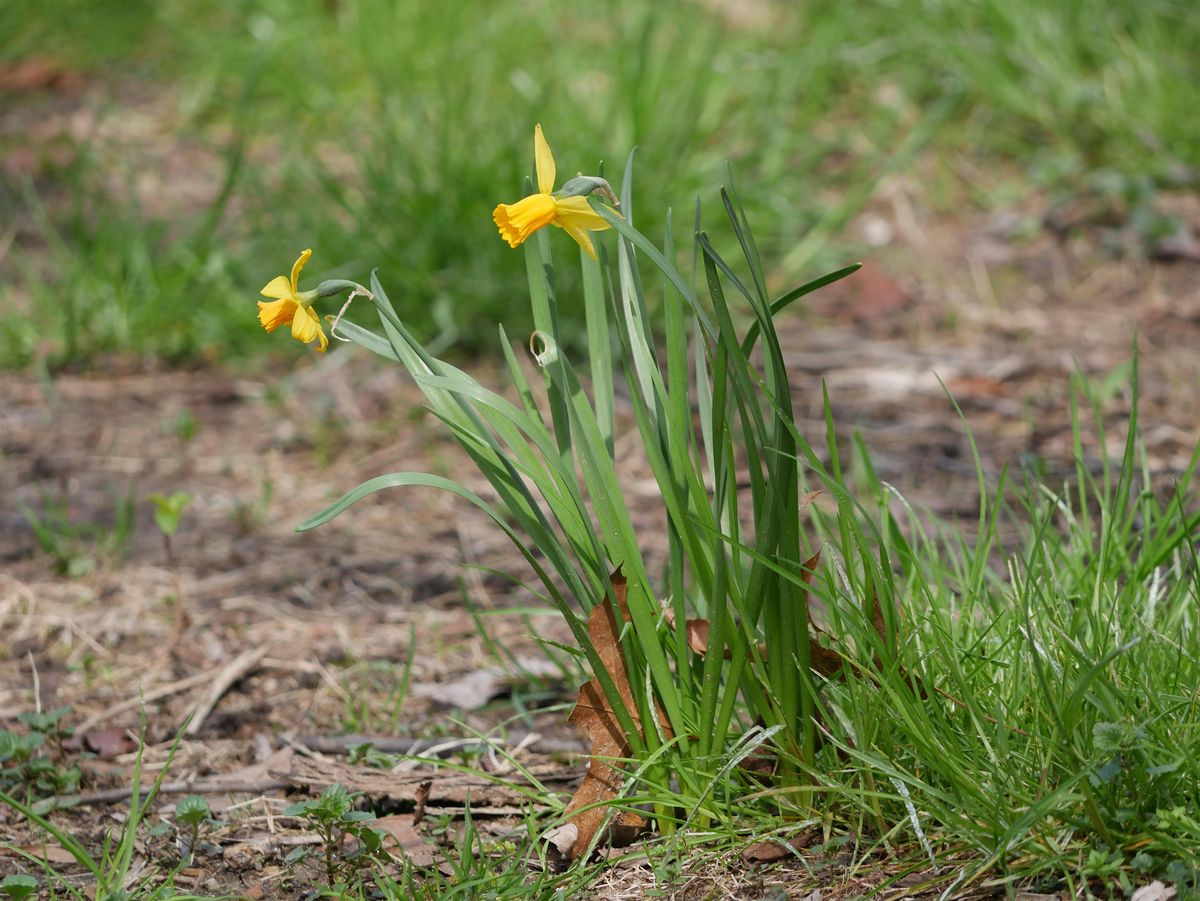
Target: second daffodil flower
x,y
292,306
517,221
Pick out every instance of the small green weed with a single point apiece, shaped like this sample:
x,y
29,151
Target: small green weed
x,y
24,769
110,871
77,547
249,516
18,887
332,816
168,511
375,691
193,813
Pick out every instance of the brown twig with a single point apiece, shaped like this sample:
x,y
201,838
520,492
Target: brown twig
x,y
238,667
145,698
191,786
442,747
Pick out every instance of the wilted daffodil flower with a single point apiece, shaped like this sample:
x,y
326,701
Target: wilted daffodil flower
x,y
292,306
568,208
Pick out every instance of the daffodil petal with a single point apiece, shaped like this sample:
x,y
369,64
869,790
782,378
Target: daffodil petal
x,y
306,327
297,266
543,161
581,236
276,313
517,221
576,211
279,286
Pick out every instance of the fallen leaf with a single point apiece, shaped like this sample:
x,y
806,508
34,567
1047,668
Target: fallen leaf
x,y
771,850
1155,891
696,631
51,853
109,742
975,386
824,660
475,689
36,73
467,692
595,718
403,836
872,294
810,496
422,799
562,839
1181,246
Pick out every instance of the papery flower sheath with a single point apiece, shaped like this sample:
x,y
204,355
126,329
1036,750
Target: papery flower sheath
x,y
517,221
292,306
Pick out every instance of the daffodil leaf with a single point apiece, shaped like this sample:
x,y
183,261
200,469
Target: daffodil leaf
x,y
396,480
781,303
368,339
622,227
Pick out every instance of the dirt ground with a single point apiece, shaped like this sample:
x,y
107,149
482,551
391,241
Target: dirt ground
x,y
278,643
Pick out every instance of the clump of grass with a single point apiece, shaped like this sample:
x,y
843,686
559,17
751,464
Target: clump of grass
x,y
75,546
1039,708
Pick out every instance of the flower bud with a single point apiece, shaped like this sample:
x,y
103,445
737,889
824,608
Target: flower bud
x,y
582,185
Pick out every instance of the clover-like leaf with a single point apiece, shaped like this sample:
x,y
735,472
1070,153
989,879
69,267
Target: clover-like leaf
x,y
18,886
192,810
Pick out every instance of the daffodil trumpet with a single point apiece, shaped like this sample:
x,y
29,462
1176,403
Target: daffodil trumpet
x,y
567,209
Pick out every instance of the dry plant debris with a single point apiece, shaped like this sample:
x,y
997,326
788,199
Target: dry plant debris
x,y
825,661
593,714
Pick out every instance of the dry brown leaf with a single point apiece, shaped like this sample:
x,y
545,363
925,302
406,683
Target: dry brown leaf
x,y
403,837
770,851
51,852
37,73
109,742
595,717
810,496
824,660
697,636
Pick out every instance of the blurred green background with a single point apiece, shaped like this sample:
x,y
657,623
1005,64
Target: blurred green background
x,y
162,161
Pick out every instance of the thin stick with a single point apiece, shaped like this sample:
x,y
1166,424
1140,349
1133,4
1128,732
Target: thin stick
x,y
234,670
192,786
152,695
37,683
341,744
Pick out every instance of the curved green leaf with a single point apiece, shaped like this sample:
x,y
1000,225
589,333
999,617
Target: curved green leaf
x,y
397,480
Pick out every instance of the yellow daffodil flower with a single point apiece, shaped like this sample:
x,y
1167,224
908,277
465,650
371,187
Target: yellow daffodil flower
x,y
292,306
517,221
